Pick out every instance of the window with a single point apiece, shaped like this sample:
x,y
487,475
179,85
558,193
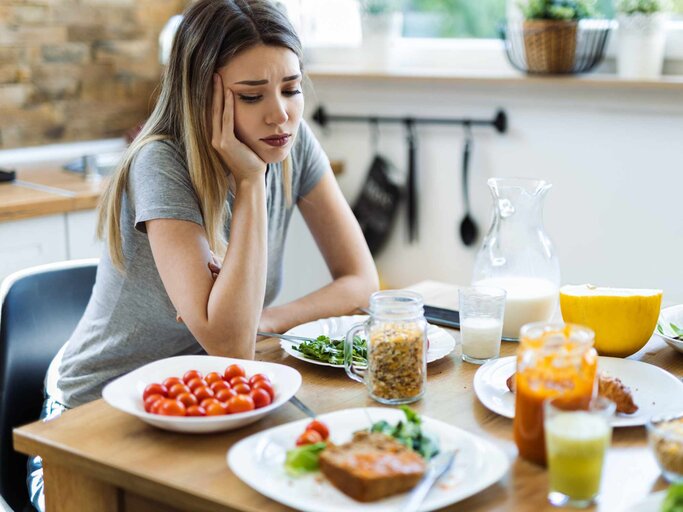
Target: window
x,y
453,18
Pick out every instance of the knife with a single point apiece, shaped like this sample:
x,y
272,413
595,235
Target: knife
x,y
287,337
436,469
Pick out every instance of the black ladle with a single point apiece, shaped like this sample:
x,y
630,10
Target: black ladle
x,y
468,228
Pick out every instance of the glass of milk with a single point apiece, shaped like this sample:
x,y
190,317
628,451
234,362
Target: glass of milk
x,y
576,440
481,322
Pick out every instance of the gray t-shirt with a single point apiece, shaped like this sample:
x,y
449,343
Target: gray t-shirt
x,y
130,320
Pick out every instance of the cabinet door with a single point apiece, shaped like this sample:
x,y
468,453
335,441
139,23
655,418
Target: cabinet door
x,y
28,242
82,240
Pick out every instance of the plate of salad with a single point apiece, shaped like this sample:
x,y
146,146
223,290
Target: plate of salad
x,y
670,326
327,347
285,463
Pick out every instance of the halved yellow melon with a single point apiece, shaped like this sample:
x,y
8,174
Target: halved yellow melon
x,y
623,318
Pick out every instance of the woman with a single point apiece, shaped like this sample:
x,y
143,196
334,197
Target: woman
x,y
217,168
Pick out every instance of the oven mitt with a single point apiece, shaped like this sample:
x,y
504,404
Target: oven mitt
x,y
377,203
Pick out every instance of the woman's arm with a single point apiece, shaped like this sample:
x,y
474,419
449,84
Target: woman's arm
x,y
343,247
223,315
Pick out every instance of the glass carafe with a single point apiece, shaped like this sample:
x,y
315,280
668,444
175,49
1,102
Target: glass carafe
x,y
517,254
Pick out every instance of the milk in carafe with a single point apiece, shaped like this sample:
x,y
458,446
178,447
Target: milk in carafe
x,y
528,299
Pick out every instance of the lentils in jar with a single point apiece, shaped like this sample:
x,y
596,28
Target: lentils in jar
x,y
396,354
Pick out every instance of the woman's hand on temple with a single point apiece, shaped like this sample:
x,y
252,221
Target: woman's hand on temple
x,y
240,159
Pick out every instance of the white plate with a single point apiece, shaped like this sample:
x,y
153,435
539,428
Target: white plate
x,y
670,315
125,393
654,390
258,461
651,503
440,342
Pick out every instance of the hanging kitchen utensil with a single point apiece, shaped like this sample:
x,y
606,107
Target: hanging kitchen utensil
x,y
411,198
468,228
377,204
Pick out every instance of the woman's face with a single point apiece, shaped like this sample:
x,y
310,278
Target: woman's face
x,y
266,84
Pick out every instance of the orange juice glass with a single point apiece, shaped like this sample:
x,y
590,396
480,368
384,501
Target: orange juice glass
x,y
554,360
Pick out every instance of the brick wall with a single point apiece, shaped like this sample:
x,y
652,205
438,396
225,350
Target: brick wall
x,y
77,69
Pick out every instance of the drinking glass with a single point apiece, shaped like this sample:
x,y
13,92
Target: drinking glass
x,y
481,322
576,439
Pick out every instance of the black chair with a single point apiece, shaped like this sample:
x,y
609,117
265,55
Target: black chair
x,y
40,309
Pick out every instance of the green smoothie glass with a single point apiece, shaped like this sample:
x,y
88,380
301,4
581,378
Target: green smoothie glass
x,y
576,441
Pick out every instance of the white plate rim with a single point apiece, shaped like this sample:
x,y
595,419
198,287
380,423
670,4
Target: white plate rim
x,y
113,392
664,319
446,342
492,455
482,385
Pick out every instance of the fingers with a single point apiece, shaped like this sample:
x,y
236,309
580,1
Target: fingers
x,y
216,111
228,113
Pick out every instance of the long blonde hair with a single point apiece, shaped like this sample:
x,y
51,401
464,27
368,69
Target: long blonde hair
x,y
211,33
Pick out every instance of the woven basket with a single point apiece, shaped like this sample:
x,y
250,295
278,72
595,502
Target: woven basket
x,y
550,45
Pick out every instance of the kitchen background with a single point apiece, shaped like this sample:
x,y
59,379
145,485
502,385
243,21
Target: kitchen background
x,y
611,148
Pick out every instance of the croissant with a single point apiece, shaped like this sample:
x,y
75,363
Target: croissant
x,y
608,387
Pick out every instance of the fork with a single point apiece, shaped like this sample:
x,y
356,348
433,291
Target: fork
x,y
437,467
288,337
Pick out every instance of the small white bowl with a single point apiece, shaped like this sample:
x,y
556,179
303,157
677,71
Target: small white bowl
x,y
125,393
667,316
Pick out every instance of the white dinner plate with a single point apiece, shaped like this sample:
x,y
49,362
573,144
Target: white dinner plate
x,y
651,503
441,343
259,459
654,390
668,316
125,393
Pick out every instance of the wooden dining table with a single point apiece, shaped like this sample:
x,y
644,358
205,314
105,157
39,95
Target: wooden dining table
x,y
97,458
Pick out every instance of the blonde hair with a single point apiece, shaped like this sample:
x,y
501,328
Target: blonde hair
x,y
211,33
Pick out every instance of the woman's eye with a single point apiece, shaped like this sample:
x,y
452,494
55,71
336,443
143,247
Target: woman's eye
x,y
249,99
293,92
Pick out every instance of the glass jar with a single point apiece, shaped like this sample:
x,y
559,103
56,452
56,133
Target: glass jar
x,y
396,334
553,361
517,254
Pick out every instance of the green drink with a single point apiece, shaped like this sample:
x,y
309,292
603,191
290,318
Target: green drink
x,y
576,442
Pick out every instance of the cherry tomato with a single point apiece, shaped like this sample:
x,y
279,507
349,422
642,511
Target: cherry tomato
x,y
155,389
149,401
224,395
258,376
238,380
260,397
320,428
217,409
170,407
240,403
309,437
203,392
191,374
218,385
177,389
242,389
195,383
234,370
196,410
188,399
262,384
208,401
171,381
213,377
154,409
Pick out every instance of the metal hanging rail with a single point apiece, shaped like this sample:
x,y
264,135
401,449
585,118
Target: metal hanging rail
x,y
499,122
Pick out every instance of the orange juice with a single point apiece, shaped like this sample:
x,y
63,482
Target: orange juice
x,y
553,360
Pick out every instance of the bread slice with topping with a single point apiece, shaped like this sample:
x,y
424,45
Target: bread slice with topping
x,y
372,466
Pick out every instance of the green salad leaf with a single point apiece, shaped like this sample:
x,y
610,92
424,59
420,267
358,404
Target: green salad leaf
x,y
673,502
677,331
328,350
303,459
409,433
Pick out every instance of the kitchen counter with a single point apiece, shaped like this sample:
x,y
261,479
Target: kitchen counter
x,y
47,189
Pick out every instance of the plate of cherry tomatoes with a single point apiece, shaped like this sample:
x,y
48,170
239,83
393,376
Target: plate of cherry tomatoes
x,y
199,394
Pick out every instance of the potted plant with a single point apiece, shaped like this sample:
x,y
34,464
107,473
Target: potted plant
x,y
550,28
642,38
381,25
